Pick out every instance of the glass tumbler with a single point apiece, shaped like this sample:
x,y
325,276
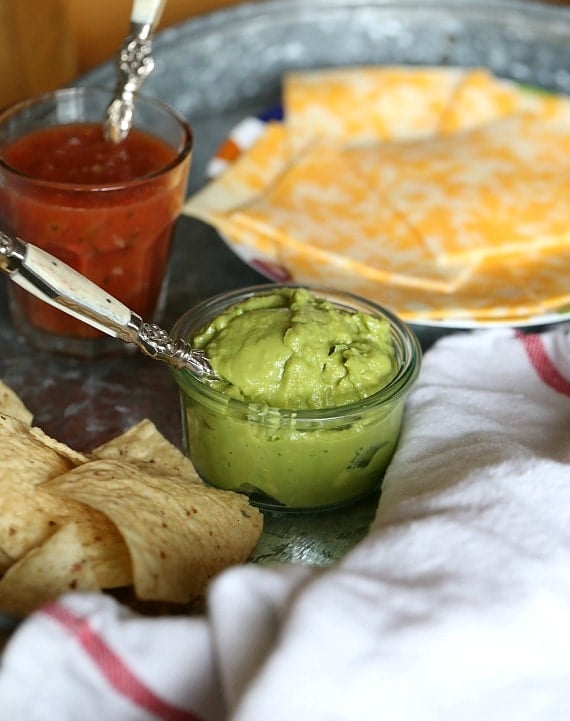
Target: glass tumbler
x,y
108,210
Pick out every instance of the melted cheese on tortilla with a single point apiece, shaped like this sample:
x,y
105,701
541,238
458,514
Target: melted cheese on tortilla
x,y
498,189
366,104
336,216
438,192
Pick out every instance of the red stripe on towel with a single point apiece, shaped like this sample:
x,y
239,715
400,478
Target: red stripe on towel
x,y
113,668
541,362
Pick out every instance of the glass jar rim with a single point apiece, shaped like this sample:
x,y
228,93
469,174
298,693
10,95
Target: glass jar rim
x,y
406,344
185,149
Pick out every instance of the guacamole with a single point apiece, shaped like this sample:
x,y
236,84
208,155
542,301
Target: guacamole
x,y
291,349
307,406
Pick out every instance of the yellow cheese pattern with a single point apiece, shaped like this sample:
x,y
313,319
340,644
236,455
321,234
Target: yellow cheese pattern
x,y
366,104
346,223
439,192
498,189
250,174
481,98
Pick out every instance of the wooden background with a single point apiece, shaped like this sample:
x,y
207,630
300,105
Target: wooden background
x,y
47,43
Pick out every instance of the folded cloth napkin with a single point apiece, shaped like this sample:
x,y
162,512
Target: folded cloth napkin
x,y
455,606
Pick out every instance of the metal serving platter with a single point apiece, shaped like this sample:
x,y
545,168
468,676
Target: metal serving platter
x,y
216,69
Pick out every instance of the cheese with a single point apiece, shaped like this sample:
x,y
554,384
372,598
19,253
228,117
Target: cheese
x,y
494,293
498,189
248,175
481,98
438,192
366,104
334,215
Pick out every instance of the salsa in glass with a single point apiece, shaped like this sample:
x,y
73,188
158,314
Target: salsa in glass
x,y
106,209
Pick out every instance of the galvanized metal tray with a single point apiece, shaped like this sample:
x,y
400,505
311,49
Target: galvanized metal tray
x,y
217,69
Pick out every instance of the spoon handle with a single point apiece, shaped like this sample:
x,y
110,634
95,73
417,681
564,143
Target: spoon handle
x,y
134,64
146,12
54,282
59,285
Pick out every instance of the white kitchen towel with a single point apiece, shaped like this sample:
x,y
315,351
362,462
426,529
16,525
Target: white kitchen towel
x,y
455,606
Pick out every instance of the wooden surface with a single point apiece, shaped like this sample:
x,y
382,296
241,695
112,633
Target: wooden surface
x,y
44,44
37,49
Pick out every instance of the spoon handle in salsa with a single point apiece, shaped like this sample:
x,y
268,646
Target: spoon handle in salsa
x,y
134,64
147,12
59,285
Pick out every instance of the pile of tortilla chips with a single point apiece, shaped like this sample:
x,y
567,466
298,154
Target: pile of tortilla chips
x,y
441,193
133,513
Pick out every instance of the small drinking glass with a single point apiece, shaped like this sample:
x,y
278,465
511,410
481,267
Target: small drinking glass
x,y
108,210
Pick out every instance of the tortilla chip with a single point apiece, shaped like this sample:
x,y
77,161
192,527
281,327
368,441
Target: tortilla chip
x,y
103,547
179,534
144,446
28,516
58,531
12,405
30,453
57,566
70,454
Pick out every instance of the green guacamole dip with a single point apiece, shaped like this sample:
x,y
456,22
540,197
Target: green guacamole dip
x,y
291,349
298,417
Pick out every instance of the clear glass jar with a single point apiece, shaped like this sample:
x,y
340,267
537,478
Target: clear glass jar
x,y
294,459
114,227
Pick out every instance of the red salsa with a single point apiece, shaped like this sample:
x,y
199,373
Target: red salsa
x,y
106,209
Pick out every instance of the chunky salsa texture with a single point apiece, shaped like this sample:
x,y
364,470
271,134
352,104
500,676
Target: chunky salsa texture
x,y
106,209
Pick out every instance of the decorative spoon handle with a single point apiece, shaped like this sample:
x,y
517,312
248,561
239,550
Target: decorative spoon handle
x,y
134,64
61,286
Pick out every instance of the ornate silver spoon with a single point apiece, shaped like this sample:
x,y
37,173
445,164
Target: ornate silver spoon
x,y
134,64
61,286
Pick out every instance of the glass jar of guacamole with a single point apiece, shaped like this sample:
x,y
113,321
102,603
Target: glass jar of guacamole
x,y
307,408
